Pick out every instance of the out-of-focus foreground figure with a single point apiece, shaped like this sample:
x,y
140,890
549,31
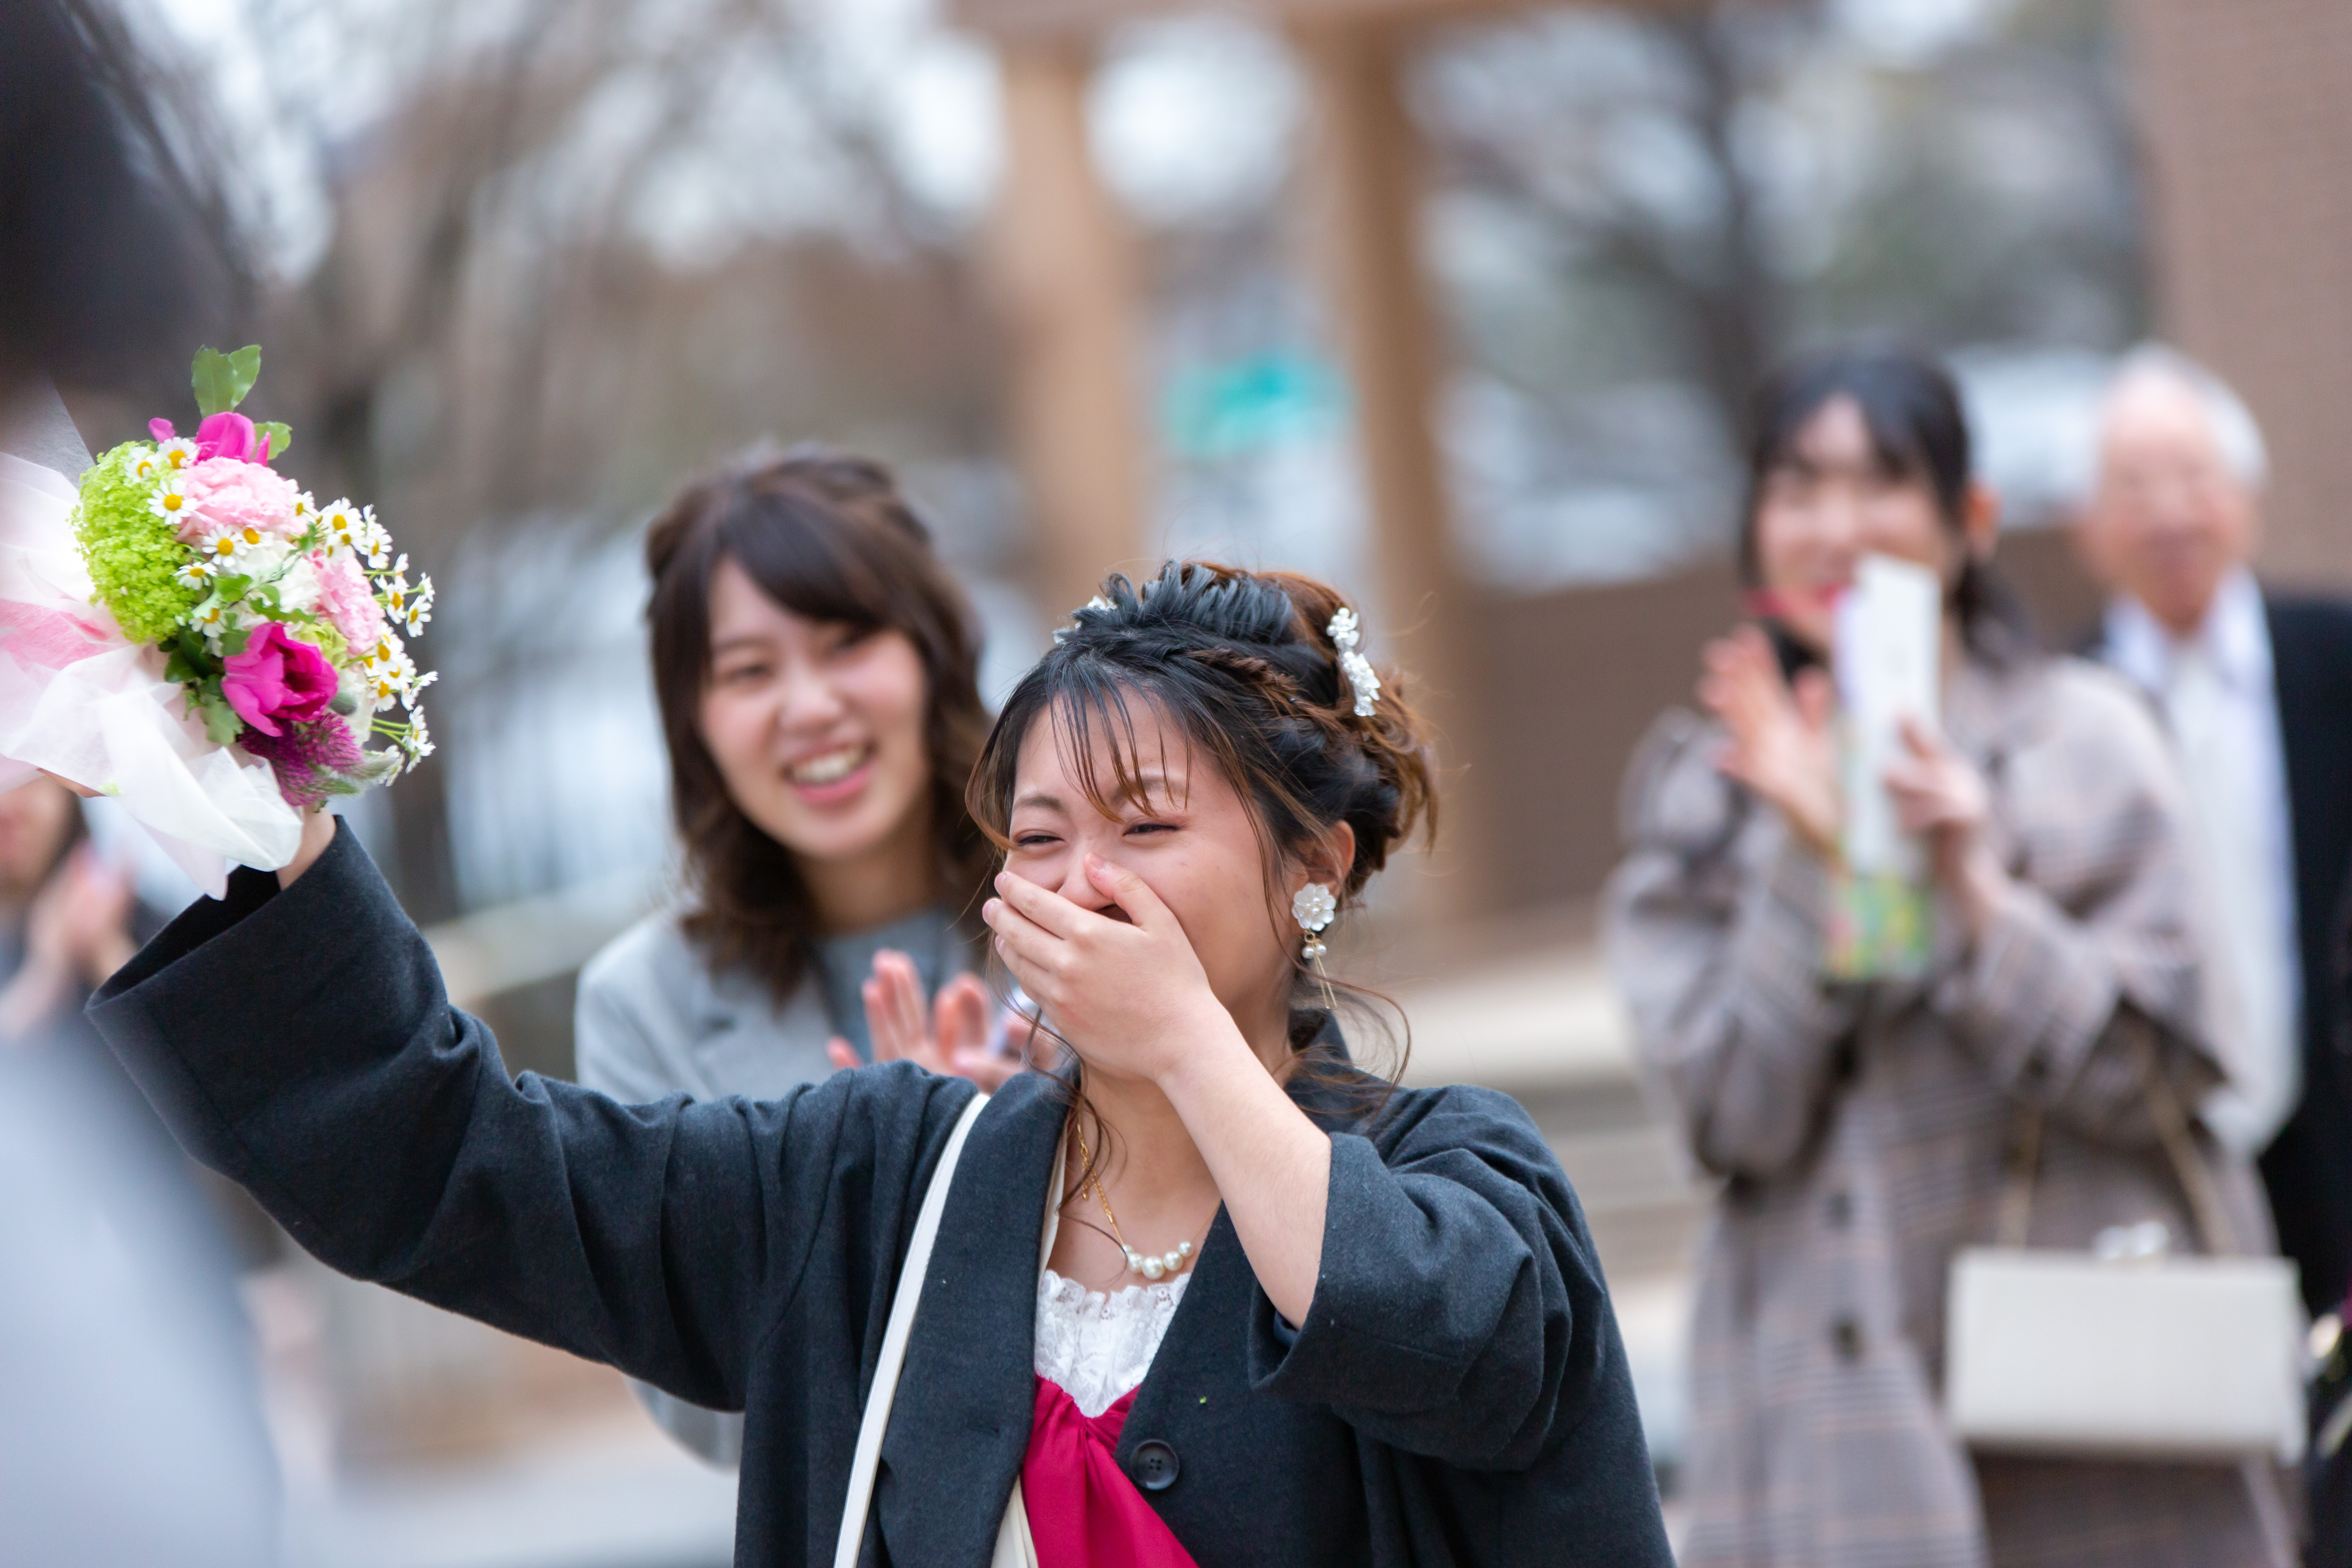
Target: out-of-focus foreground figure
x,y
130,1431
1862,1130
2256,689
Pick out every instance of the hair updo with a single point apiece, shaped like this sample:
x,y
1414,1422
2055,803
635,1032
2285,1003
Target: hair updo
x,y
1243,665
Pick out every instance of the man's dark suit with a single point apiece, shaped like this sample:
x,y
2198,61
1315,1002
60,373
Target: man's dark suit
x,y
2308,1166
2308,1169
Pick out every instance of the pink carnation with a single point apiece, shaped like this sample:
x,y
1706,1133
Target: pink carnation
x,y
277,681
224,493
348,602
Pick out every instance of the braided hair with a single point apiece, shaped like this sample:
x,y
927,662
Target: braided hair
x,y
1243,665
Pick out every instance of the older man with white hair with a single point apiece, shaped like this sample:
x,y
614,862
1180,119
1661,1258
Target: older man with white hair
x,y
2256,688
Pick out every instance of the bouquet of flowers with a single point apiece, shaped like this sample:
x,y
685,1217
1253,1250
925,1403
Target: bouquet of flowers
x,y
224,650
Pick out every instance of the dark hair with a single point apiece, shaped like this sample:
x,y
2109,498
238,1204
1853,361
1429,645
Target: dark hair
x,y
1918,433
1243,665
117,252
829,538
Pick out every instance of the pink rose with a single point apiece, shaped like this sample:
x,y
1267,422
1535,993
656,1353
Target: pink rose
x,y
348,602
277,677
224,493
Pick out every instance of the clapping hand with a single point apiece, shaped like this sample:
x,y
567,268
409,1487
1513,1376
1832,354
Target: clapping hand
x,y
1780,746
949,1035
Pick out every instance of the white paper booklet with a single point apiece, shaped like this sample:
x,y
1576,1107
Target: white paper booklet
x,y
1890,629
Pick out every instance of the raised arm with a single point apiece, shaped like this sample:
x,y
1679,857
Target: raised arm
x,y
300,1043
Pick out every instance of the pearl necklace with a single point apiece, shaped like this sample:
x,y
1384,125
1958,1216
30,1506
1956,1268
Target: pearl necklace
x,y
1152,1267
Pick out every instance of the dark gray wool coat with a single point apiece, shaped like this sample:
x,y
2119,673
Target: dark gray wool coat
x,y
1457,1394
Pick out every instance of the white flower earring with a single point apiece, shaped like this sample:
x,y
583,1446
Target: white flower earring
x,y
1312,907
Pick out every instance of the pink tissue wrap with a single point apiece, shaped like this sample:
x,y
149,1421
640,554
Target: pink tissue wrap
x,y
80,701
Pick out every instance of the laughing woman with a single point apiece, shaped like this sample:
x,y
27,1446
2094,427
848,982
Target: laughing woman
x,y
1212,1296
816,669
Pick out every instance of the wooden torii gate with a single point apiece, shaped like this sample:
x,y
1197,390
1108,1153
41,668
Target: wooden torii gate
x,y
1070,296
2243,118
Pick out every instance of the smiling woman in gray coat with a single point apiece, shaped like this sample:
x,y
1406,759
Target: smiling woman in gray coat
x,y
818,669
1862,1131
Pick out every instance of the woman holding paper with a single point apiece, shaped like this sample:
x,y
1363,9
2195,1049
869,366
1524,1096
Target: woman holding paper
x,y
1855,1075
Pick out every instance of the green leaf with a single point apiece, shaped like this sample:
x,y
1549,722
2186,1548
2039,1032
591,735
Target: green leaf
x,y
222,726
232,641
279,436
222,380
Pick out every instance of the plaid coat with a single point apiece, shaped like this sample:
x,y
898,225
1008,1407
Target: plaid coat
x,y
1861,1132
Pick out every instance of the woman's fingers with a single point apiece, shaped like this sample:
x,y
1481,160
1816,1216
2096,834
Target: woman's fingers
x,y
1816,696
961,1016
1027,951
82,790
1130,892
840,1053
896,1013
1042,907
985,1068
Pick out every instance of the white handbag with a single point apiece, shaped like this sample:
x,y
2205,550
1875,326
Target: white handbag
x,y
1013,1547
2124,1352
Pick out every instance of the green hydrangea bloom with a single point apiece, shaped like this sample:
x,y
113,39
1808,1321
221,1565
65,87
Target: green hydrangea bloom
x,y
131,554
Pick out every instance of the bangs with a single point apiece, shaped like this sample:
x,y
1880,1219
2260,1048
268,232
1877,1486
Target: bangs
x,y
812,565
1897,446
1103,746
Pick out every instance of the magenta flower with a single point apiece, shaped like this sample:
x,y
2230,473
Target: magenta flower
x,y
227,435
223,435
277,678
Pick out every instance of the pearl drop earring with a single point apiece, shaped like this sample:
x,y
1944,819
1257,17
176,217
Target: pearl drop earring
x,y
1312,907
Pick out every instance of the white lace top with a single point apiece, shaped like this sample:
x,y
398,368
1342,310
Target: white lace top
x,y
1098,1346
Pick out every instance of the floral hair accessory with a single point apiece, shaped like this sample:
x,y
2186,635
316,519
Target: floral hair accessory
x,y
1345,637
272,614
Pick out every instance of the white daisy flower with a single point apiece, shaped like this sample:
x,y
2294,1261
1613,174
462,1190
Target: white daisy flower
x,y
177,453
169,502
212,619
376,540
234,545
343,527
420,606
416,689
148,466
196,576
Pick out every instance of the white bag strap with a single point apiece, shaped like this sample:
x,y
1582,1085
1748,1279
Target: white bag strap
x,y
867,1456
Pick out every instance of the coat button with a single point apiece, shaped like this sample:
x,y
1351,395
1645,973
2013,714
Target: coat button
x,y
1846,1335
1155,1466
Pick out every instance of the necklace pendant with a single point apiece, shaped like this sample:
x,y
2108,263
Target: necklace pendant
x,y
1165,1265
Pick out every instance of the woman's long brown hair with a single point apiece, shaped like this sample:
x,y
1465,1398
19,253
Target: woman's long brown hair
x,y
829,538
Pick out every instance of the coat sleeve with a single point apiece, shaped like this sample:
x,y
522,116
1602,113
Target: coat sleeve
x,y
1459,1311
300,1043
2091,974
1713,927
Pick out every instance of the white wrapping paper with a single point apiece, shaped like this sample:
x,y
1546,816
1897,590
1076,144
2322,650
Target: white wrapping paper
x,y
79,701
